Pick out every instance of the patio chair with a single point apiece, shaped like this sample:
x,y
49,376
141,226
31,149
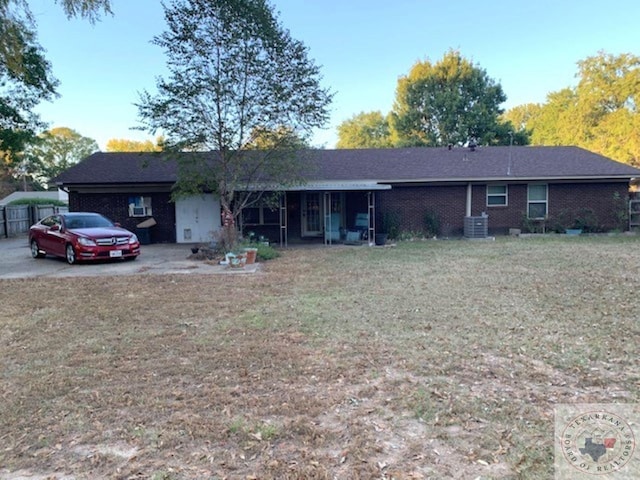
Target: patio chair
x,y
361,225
333,232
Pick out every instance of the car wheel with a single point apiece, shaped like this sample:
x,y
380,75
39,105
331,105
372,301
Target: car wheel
x,y
35,250
130,259
71,254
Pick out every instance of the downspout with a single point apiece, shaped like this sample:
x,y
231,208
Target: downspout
x,y
468,209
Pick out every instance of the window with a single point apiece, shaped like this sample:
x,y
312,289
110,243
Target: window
x,y
140,207
496,195
537,201
261,215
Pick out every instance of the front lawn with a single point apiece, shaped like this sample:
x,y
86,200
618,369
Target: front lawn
x,y
437,359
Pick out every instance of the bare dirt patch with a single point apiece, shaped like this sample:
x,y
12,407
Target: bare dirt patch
x,y
429,360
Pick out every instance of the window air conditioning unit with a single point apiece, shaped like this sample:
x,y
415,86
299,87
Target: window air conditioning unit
x,y
138,211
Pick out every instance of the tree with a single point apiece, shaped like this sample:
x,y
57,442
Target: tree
x,y
25,74
88,9
55,151
234,72
25,80
365,130
449,102
599,114
520,116
124,145
265,139
557,122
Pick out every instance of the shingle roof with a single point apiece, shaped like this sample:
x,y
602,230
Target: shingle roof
x,y
380,165
118,168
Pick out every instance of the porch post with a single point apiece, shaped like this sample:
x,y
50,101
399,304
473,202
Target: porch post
x,y
372,217
284,233
326,216
468,211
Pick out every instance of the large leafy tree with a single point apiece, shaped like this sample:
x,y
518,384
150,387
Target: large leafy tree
x,y
235,73
55,151
519,117
365,130
451,101
26,78
600,113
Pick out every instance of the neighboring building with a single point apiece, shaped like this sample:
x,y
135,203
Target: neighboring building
x,y
512,186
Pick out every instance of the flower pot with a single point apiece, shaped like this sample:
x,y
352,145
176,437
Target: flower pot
x,y
381,238
237,261
251,253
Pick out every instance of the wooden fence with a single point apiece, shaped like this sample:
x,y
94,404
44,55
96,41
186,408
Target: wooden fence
x,y
15,220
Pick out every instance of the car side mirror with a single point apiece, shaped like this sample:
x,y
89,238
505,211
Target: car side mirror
x,y
56,228
117,224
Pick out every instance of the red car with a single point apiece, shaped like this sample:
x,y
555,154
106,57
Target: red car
x,y
81,236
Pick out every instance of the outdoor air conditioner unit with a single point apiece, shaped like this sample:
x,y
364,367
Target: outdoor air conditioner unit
x,y
476,227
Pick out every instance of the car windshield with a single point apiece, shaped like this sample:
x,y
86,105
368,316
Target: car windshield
x,y
87,221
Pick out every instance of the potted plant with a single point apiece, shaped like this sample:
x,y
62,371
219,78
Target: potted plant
x,y
381,238
251,254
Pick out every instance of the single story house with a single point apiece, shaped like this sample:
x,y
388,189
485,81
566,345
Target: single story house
x,y
368,190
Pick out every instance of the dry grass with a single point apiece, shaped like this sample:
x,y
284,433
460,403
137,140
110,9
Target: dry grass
x,y
429,360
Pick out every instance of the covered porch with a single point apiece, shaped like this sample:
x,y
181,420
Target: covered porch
x,y
316,214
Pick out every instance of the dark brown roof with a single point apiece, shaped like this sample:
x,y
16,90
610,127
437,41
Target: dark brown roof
x,y
119,168
381,165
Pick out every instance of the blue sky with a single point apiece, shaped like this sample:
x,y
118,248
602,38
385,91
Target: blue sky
x,y
362,46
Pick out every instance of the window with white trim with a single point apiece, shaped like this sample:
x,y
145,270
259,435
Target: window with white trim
x,y
537,201
140,206
496,195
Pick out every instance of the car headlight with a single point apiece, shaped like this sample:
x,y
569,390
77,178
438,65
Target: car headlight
x,y
133,239
87,242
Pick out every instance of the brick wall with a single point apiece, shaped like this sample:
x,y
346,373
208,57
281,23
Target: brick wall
x,y
597,197
115,206
411,204
501,218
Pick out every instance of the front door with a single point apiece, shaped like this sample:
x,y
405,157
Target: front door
x,y
311,214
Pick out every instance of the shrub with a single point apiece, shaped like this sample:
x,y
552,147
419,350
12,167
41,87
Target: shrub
x,y
560,222
265,252
410,236
587,220
432,224
621,208
391,224
38,201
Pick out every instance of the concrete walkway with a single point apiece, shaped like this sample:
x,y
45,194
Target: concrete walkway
x,y
156,259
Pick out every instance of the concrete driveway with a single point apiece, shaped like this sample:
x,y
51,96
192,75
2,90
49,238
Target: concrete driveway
x,y
16,262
